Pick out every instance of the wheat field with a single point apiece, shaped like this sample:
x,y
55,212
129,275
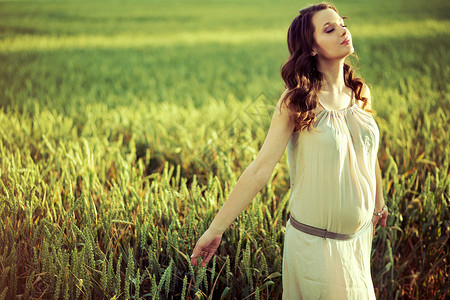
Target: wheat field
x,y
124,125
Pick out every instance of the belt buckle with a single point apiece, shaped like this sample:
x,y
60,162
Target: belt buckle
x,y
325,232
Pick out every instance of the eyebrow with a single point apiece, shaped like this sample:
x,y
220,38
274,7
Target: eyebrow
x,y
340,19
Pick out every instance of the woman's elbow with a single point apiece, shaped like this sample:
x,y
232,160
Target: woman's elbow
x,y
261,171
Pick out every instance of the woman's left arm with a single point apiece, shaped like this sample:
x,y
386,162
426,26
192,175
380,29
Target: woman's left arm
x,y
381,210
379,198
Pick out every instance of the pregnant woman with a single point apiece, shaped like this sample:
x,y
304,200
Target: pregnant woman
x,y
324,119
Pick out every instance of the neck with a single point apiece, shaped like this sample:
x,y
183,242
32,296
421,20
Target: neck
x,y
333,72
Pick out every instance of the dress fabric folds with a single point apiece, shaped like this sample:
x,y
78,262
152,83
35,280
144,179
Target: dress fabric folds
x,y
333,184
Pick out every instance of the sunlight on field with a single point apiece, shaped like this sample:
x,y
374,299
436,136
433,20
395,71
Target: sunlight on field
x,y
82,41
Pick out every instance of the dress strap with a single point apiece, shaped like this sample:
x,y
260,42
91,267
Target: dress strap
x,y
320,102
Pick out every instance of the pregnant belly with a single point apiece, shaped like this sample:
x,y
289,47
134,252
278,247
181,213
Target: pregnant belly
x,y
350,220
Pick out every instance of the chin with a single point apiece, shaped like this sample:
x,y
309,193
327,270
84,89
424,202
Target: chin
x,y
349,52
351,49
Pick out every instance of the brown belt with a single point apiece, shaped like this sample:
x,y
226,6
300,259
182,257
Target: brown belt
x,y
323,232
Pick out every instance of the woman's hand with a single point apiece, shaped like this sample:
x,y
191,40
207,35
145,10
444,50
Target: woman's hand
x,y
205,247
383,220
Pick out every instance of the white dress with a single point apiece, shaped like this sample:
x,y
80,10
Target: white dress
x,y
333,185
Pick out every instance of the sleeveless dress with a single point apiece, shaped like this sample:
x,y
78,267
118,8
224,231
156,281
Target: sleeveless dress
x,y
332,172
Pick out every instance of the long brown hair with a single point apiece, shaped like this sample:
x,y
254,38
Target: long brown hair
x,y
302,79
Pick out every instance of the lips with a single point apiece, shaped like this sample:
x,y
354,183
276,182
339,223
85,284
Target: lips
x,y
346,41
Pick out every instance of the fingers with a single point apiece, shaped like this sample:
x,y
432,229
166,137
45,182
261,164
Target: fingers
x,y
208,257
205,255
374,223
197,251
205,248
383,220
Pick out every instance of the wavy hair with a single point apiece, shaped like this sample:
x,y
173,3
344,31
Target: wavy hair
x,y
302,79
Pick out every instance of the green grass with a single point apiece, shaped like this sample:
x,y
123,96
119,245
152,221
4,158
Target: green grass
x,y
124,126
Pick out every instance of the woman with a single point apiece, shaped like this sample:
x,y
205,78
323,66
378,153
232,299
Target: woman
x,y
324,119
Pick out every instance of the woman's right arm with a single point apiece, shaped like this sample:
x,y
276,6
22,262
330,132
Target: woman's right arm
x,y
258,173
252,180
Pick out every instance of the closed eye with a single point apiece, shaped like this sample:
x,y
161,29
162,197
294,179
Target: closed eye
x,y
331,30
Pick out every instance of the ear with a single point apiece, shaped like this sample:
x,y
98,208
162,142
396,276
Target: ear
x,y
313,52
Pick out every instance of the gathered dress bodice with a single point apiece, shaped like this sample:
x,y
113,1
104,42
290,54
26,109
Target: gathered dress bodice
x,y
332,170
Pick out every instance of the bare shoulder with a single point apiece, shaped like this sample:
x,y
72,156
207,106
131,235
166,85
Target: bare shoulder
x,y
365,92
280,101
283,104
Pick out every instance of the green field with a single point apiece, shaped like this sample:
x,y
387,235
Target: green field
x,y
125,124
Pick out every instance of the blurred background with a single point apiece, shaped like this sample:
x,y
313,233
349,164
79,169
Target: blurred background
x,y
80,52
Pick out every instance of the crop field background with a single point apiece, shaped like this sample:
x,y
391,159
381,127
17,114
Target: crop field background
x,y
125,124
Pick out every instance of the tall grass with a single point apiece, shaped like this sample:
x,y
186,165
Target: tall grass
x,y
122,132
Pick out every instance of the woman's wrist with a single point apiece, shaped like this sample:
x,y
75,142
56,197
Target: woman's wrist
x,y
215,230
381,211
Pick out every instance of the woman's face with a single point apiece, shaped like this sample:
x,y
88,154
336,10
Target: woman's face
x,y
332,39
